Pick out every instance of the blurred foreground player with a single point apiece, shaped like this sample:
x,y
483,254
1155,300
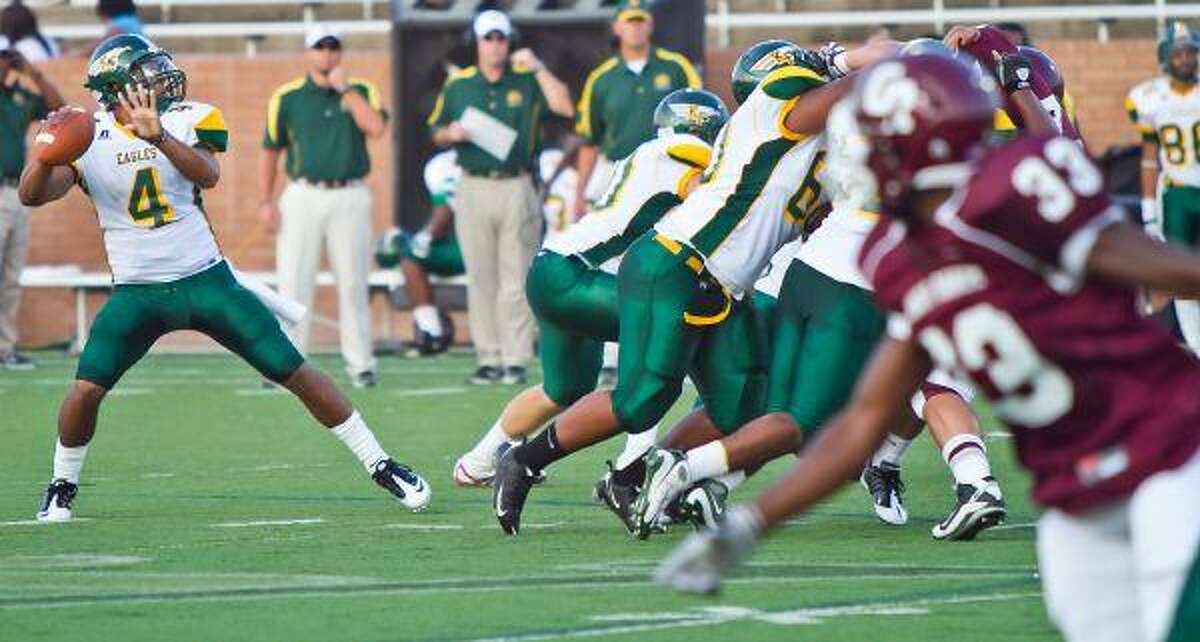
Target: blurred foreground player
x,y
151,155
1016,270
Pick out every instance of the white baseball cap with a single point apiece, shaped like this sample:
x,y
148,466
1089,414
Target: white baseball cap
x,y
317,33
492,20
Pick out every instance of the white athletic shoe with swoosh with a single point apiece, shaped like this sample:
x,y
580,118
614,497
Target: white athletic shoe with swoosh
x,y
666,477
405,485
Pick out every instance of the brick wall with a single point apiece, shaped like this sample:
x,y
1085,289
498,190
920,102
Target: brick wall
x,y
1097,74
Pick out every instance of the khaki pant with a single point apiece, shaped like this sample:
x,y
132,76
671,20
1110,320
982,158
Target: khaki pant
x,y
14,246
339,219
499,226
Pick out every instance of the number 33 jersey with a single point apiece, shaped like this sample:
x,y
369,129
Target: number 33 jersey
x,y
151,215
996,289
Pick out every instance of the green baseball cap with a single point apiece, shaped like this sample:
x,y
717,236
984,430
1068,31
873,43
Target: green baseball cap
x,y
633,10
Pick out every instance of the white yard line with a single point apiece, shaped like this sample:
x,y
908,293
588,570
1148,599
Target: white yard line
x,y
1009,527
34,522
426,392
424,527
270,522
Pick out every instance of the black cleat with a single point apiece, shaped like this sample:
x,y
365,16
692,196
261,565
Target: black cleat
x,y
486,376
510,488
887,492
977,507
56,504
618,498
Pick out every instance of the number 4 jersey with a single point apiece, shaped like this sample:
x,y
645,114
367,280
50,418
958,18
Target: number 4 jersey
x,y
996,289
152,216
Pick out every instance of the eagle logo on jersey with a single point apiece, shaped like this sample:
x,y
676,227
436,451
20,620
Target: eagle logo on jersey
x,y
662,82
514,98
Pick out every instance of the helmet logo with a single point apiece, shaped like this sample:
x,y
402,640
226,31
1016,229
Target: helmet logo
x,y
775,58
108,62
692,114
890,95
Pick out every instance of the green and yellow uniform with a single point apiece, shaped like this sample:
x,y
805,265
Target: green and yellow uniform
x,y
18,108
514,99
322,142
1168,115
682,287
616,109
575,302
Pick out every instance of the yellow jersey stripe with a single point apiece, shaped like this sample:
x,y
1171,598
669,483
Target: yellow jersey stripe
x,y
274,103
214,121
689,72
692,154
461,74
584,125
373,95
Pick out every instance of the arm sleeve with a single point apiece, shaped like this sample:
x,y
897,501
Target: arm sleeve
x,y
211,132
370,92
788,82
276,135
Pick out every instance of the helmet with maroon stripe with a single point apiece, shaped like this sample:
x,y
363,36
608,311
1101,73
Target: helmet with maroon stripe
x,y
924,118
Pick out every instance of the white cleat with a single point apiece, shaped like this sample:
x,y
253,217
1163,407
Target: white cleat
x,y
703,559
666,477
887,492
977,507
56,503
405,485
469,473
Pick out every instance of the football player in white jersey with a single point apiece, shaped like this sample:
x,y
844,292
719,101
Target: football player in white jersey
x,y
151,155
1166,110
574,300
681,286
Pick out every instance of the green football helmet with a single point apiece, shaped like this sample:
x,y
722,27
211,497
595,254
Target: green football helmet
x,y
761,59
691,111
131,59
1177,34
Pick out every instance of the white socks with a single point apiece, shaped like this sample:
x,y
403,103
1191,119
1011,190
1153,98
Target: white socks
x,y
68,462
361,441
427,319
610,354
732,480
967,458
707,461
636,445
891,451
485,450
1188,314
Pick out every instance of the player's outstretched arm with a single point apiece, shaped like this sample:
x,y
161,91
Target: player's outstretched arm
x,y
809,113
42,183
1125,254
893,375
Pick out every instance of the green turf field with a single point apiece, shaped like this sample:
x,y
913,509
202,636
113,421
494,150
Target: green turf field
x,y
213,510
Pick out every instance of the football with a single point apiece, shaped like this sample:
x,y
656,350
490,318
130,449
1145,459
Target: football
x,y
65,136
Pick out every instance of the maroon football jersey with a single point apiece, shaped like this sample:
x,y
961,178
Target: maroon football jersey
x,y
1098,398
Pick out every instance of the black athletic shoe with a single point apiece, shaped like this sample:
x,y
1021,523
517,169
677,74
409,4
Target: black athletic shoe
x,y
364,379
405,485
618,498
56,504
513,376
539,477
977,507
510,488
887,492
486,375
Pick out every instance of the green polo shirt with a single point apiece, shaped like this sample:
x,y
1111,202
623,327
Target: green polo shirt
x,y
322,140
515,99
18,108
616,110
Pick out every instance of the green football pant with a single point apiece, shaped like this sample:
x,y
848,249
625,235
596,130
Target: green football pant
x,y
825,331
576,311
674,321
211,302
444,259
1181,216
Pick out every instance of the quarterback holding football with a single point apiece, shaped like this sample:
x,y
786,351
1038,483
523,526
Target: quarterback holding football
x,y
152,153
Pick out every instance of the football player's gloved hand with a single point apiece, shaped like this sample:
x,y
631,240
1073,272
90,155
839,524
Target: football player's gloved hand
x,y
421,243
1014,72
833,56
700,563
1150,219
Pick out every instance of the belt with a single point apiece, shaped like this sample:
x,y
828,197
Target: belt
x,y
496,173
707,280
338,184
675,247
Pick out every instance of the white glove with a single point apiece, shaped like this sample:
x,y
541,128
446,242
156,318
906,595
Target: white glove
x,y
421,243
1150,218
703,559
833,54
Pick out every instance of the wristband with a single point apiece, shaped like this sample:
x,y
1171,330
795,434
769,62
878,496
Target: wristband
x,y
157,140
